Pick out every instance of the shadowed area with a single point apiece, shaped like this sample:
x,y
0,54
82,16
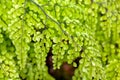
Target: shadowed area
x,y
65,72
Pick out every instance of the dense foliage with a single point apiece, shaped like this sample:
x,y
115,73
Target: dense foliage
x,y
89,29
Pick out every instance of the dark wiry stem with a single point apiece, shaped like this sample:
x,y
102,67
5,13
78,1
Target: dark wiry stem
x,y
3,21
49,16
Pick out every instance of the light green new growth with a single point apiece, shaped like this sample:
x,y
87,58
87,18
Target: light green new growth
x,y
89,29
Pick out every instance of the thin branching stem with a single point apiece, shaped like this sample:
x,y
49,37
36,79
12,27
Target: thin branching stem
x,y
39,6
22,28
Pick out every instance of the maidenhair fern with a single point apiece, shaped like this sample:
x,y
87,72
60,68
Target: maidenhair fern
x,y
70,29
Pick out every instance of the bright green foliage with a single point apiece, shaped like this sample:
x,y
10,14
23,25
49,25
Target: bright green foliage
x,y
89,29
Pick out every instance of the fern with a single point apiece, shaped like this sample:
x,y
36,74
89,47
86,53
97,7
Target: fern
x,y
70,29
